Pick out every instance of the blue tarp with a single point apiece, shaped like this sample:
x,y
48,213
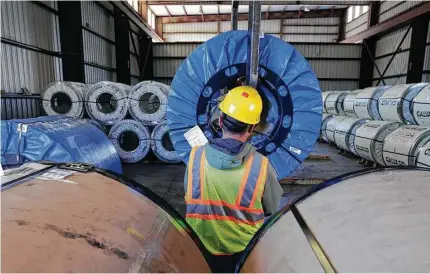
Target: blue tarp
x,y
292,110
57,139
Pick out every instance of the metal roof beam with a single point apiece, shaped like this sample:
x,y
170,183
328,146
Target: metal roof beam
x,y
228,2
244,17
390,24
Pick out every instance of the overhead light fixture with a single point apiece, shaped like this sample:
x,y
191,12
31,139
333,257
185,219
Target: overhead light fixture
x,y
307,9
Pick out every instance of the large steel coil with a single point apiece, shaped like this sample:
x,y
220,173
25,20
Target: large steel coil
x,y
396,103
334,102
344,134
324,96
131,139
401,147
57,139
369,139
323,131
147,102
348,103
92,222
331,127
292,105
162,145
371,221
366,102
423,159
107,102
64,98
421,107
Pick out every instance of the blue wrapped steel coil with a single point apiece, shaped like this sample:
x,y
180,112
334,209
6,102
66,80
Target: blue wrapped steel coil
x,y
57,139
292,107
161,144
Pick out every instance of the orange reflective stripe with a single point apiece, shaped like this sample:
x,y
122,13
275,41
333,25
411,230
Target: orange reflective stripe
x,y
190,174
221,218
261,180
202,173
244,179
222,203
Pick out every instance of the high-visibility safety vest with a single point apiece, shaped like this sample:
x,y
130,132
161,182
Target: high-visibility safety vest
x,y
224,207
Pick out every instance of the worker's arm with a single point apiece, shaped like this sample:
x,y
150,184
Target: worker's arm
x,y
272,192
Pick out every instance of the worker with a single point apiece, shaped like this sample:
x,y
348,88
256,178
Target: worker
x,y
229,186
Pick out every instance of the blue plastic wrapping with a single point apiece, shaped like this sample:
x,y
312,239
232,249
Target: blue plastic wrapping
x,y
292,104
57,139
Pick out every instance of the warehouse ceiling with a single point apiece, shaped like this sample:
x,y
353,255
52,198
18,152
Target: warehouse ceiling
x,y
211,9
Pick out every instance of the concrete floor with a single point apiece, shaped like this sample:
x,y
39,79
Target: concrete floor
x,y
167,180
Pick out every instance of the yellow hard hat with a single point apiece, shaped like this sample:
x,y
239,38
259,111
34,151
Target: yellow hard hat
x,y
244,104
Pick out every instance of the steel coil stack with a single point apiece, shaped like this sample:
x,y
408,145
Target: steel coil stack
x,y
395,129
64,98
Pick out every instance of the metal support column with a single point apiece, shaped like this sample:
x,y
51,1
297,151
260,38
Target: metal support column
x,y
417,49
72,46
234,14
122,47
254,19
146,56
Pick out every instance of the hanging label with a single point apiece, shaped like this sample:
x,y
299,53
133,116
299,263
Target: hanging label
x,y
195,137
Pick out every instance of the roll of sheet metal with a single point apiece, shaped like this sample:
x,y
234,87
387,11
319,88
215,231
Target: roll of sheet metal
x,y
366,102
370,221
334,102
401,147
292,101
421,107
324,95
396,103
369,139
344,134
331,127
131,140
323,132
147,102
64,98
57,139
91,222
348,103
162,145
106,102
423,159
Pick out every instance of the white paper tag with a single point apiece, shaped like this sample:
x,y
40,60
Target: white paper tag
x,y
295,150
24,128
195,137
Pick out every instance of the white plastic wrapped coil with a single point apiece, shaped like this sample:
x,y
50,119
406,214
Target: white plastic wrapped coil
x,y
366,102
344,134
65,98
334,102
421,107
106,102
162,145
424,156
324,95
369,139
331,126
148,102
401,147
348,103
131,140
323,132
395,103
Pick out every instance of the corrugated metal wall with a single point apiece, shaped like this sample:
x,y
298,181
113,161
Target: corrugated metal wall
x,y
293,30
426,68
386,46
357,25
99,43
390,8
336,65
134,64
30,47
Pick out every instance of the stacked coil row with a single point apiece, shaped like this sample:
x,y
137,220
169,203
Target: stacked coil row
x,y
389,126
134,117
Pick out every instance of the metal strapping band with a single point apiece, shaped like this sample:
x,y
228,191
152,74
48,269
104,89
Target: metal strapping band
x,y
313,242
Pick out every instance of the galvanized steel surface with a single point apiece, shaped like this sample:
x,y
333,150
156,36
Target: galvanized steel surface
x,y
390,9
94,75
421,107
344,134
423,159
